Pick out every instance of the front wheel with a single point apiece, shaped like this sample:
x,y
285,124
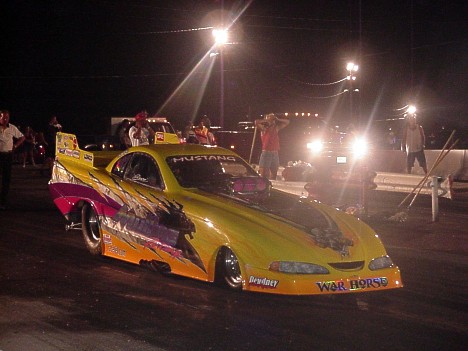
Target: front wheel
x,y
228,269
91,230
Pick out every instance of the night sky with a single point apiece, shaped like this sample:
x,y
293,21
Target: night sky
x,y
86,61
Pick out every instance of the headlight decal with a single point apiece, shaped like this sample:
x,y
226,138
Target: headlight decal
x,y
292,267
381,263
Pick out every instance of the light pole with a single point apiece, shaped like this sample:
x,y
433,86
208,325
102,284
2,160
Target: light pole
x,y
221,38
352,69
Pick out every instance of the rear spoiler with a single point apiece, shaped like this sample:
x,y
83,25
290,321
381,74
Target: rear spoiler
x,y
67,149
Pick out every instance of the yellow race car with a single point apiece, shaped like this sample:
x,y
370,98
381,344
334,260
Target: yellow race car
x,y
202,212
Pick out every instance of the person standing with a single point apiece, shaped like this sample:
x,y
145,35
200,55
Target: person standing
x,y
10,139
189,134
122,133
50,135
28,146
413,143
141,132
269,158
201,131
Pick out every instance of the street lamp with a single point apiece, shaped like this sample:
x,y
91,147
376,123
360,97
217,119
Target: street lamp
x,y
352,68
221,38
411,110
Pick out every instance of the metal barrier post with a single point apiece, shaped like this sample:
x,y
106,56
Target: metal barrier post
x,y
435,198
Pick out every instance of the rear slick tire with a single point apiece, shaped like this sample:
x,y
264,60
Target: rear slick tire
x,y
91,230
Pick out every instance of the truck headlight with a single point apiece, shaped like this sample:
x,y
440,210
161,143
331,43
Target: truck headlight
x,y
359,148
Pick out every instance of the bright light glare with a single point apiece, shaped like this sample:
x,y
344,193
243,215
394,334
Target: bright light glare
x,y
352,67
221,36
360,148
315,146
411,109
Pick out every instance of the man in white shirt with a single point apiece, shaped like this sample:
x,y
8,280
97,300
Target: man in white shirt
x,y
413,143
140,133
10,139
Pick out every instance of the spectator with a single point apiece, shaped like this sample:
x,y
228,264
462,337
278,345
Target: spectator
x,y
28,146
209,135
141,132
269,158
189,133
413,143
122,133
201,131
50,135
10,139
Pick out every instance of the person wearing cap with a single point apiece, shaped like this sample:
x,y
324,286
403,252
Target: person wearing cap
x,y
141,132
10,139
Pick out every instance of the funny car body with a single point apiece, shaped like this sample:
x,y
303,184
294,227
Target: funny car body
x,y
204,213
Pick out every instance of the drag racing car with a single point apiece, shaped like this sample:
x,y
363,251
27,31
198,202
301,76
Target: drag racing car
x,y
202,212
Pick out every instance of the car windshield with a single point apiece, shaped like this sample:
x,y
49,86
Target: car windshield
x,y
164,127
198,171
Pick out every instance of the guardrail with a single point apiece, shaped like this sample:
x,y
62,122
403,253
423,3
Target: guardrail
x,y
394,161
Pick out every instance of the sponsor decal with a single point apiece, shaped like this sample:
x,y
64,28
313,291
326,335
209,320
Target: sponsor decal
x,y
116,250
71,153
88,157
264,283
203,158
67,141
369,283
352,284
152,245
159,136
107,239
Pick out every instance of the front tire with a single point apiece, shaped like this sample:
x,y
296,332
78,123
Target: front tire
x,y
228,269
91,230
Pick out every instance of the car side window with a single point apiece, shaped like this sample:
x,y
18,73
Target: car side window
x,y
119,166
142,169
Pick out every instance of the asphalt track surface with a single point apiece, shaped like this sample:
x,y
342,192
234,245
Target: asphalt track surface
x,y
55,296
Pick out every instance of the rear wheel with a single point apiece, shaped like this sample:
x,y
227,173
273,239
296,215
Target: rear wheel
x,y
91,230
228,269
